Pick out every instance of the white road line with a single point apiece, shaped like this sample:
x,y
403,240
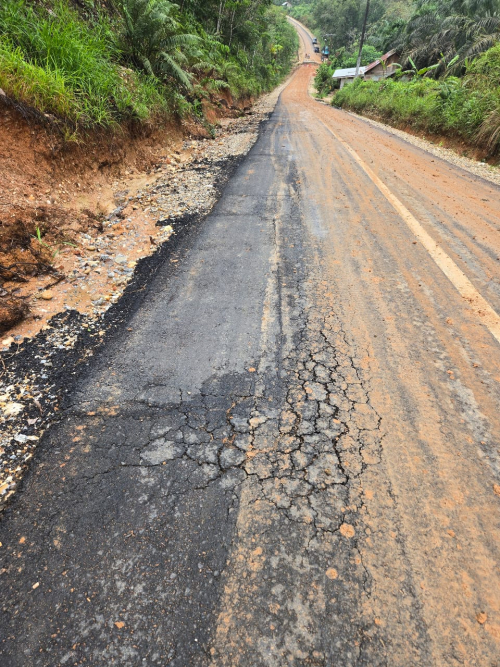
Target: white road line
x,y
477,303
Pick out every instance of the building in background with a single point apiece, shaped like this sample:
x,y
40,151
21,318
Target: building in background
x,y
383,67
347,75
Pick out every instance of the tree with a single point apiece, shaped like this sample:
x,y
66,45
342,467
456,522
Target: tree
x,y
455,27
363,30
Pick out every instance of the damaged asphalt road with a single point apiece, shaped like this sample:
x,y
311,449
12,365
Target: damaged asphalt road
x,y
285,458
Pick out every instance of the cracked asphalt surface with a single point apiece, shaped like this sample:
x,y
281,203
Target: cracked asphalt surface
x,y
290,456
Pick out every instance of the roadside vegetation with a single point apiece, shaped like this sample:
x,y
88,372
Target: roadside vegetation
x,y
97,64
466,107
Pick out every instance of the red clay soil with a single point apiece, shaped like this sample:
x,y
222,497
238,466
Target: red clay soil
x,y
459,145
51,190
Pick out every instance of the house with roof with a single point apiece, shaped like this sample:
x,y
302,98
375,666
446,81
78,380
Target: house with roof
x,y
347,75
379,69
382,68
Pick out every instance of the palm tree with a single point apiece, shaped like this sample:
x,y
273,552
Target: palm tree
x,y
153,40
457,27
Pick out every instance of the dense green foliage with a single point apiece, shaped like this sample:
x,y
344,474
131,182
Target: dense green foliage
x,y
52,62
467,107
341,21
93,64
463,28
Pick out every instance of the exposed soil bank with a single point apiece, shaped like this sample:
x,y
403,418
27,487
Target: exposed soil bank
x,y
103,275
52,191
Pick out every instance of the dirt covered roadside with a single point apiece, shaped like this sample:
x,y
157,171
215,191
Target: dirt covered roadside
x,y
56,196
81,253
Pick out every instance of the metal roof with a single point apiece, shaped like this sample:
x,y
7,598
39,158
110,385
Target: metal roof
x,y
381,59
348,73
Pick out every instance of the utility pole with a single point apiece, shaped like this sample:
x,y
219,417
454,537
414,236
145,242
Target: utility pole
x,y
362,39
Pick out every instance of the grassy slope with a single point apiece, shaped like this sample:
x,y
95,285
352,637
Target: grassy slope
x,y
55,64
53,61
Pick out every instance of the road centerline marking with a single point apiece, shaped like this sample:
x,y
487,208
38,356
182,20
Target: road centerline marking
x,y
478,304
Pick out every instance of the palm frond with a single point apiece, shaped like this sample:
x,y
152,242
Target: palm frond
x,y
168,66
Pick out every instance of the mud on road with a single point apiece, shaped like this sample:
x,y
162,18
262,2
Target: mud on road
x,y
290,455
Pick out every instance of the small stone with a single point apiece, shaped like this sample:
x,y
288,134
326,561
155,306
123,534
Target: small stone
x,y
47,295
332,573
120,259
347,530
12,409
481,618
35,585
7,341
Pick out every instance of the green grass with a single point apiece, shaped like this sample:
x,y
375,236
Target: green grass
x,y
57,64
467,108
95,69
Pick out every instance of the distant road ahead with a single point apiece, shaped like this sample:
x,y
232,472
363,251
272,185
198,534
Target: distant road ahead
x,y
306,46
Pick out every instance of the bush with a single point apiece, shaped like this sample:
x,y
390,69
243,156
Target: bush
x,y
323,81
141,60
468,108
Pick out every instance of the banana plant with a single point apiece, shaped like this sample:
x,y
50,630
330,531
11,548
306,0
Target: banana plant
x,y
416,73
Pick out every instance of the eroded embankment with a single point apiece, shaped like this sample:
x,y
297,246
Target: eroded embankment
x,y
55,197
98,267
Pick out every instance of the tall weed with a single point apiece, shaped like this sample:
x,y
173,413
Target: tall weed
x,y
52,61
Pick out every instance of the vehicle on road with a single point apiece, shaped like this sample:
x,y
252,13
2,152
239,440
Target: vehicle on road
x,y
316,49
315,40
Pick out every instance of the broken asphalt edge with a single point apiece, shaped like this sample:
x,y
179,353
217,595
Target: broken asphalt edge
x,y
93,334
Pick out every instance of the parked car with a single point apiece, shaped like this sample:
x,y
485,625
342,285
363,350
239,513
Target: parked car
x,y
315,41
316,49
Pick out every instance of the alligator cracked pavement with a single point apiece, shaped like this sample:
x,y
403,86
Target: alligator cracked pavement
x,y
291,454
